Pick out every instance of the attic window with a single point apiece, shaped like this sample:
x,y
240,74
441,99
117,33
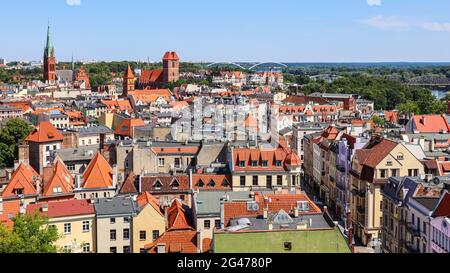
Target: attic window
x,y
157,185
400,156
200,183
211,184
175,184
278,163
242,164
57,190
254,163
265,163
389,163
18,191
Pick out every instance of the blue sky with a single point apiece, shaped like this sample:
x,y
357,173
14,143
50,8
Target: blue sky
x,y
231,30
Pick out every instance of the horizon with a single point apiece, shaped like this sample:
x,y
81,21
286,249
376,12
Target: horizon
x,y
287,31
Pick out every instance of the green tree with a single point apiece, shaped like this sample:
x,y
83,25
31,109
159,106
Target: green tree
x,y
408,109
378,121
30,234
14,131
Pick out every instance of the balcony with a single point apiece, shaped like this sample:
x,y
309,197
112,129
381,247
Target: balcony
x,y
411,229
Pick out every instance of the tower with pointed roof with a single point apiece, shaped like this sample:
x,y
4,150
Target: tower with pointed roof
x,y
128,81
171,67
49,60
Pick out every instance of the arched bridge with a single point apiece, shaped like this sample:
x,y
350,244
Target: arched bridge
x,y
230,63
261,64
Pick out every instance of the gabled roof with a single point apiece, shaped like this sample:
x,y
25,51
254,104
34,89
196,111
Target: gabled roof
x,y
431,123
148,183
98,174
45,132
61,179
176,241
443,208
211,182
63,208
21,178
10,210
127,125
375,152
128,186
149,76
129,73
147,199
177,218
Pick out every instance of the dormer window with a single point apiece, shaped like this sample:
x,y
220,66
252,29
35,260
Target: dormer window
x,y
242,164
57,190
278,163
254,163
265,163
18,191
157,185
211,184
200,183
175,184
400,156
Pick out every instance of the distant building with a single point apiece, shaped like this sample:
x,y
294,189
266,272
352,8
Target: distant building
x,y
49,61
158,78
3,62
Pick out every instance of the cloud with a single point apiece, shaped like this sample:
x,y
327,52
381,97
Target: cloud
x,y
374,3
387,23
436,26
73,2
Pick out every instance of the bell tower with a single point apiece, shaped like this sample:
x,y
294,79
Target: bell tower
x,y
49,60
128,82
171,67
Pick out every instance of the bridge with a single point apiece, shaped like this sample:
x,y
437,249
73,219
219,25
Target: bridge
x,y
243,68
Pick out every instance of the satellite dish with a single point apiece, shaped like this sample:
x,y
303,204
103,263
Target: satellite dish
x,y
436,181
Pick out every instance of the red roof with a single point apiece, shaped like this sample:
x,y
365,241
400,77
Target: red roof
x,y
61,179
98,174
127,126
171,56
175,150
21,179
148,76
177,218
63,208
148,199
443,209
129,73
260,155
128,186
176,241
45,132
10,210
211,182
431,123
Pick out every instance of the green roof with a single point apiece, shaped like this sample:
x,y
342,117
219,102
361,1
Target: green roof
x,y
48,45
303,241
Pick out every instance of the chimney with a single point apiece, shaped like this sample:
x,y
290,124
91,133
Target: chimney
x,y
37,183
114,176
24,153
140,184
199,242
78,181
190,179
1,205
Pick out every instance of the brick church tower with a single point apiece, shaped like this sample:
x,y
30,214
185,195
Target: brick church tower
x,y
171,67
49,61
128,82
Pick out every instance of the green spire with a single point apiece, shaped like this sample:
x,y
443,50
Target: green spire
x,y
49,47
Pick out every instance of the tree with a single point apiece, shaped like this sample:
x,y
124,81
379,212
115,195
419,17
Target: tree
x,y
14,131
30,234
378,121
408,109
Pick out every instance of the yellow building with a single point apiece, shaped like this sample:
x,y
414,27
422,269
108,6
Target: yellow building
x,y
371,168
148,224
75,222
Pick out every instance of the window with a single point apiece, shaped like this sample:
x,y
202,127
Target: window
x,y
161,162
57,190
47,148
142,235
242,164
279,180
265,163
383,173
126,234
142,250
155,234
68,249
112,235
389,163
278,163
112,220
177,163
217,224
113,249
254,163
126,249
83,142
85,226
207,224
269,181
71,167
255,181
400,156
242,180
126,219
416,172
86,248
67,228
410,172
395,172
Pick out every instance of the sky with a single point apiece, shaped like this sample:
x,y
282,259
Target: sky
x,y
231,30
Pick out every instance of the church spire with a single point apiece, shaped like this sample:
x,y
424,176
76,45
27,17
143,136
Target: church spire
x,y
73,64
49,47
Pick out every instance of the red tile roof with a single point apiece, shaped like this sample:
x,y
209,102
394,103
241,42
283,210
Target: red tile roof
x,y
211,182
177,218
10,210
21,178
260,155
167,183
443,209
128,186
63,208
171,56
149,76
45,132
126,128
129,73
431,123
98,174
175,150
147,199
61,179
176,241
